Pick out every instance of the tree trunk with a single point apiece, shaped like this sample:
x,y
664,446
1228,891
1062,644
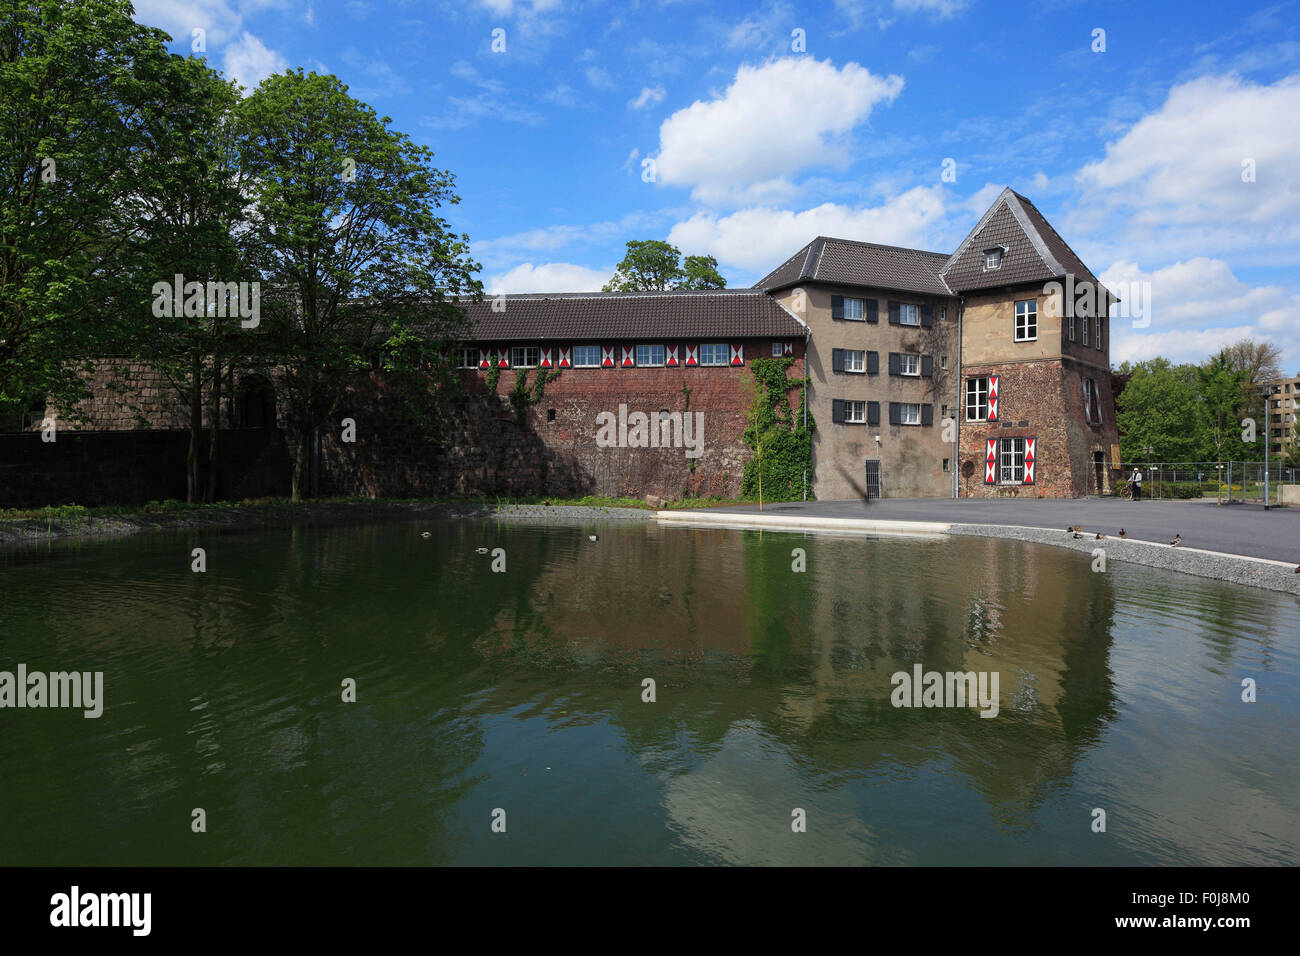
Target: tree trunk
x,y
196,430
301,450
215,427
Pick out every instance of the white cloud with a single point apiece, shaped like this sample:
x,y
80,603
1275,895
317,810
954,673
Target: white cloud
x,y
249,62
940,9
760,239
649,96
1195,308
774,120
218,18
767,27
548,277
1173,181
599,77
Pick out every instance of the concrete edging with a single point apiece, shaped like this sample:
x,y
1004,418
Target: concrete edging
x,y
1223,566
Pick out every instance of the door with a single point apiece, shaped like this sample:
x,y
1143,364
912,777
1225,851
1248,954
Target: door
x,y
873,477
1099,465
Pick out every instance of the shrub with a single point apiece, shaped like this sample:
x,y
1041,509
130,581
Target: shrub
x,y
1180,489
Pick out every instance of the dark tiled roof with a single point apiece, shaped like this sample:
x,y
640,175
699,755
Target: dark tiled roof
x,y
1035,252
721,313
848,262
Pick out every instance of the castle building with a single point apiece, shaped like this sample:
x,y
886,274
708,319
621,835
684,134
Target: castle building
x,y
978,373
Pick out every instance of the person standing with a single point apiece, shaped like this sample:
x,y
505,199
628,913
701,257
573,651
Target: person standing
x,y
1136,481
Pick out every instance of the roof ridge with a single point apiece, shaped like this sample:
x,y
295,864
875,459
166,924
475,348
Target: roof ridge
x,y
883,245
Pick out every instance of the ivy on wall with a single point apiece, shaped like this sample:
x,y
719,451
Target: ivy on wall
x,y
776,434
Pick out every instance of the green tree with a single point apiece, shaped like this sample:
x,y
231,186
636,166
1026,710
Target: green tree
x,y
344,228
652,265
77,79
193,207
1159,408
1222,398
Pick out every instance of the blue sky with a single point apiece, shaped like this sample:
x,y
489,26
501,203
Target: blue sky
x,y
1135,152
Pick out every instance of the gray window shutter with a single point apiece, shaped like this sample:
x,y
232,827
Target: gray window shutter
x,y
873,363
837,360
927,366
873,413
873,311
837,307
837,410
927,414
893,312
894,363
895,413
927,316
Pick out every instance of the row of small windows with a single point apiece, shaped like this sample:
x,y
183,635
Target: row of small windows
x,y
597,356
862,362
850,412
855,309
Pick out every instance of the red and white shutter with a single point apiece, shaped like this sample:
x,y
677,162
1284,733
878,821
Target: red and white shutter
x,y
628,360
991,462
566,356
1031,448
993,398
607,356
483,359
738,355
670,355
692,355
503,359
788,348
545,360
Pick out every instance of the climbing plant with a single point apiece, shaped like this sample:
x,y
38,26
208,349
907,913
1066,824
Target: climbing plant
x,y
520,396
776,434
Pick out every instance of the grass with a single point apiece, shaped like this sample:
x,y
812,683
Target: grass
x,y
79,515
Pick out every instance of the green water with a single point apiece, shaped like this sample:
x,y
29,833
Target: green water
x,y
522,691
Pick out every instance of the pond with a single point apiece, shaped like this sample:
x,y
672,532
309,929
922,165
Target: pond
x,y
516,700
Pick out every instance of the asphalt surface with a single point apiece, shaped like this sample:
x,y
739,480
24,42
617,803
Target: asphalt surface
x,y
1233,529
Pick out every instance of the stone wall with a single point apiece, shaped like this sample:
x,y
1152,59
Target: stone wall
x,y
133,467
480,447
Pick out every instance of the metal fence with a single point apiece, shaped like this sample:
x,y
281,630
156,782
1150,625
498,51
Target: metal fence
x,y
1238,480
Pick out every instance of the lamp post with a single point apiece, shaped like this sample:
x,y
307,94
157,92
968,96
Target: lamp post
x,y
1268,391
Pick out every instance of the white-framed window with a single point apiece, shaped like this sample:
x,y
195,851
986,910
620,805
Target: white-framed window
x,y
524,356
909,314
855,412
713,354
943,362
855,360
649,355
1086,323
1098,343
1027,320
992,259
1012,461
977,399
909,365
854,310
586,356
467,358
778,350
909,413
1070,325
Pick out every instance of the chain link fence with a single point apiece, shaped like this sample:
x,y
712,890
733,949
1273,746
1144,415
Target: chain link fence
x,y
1238,480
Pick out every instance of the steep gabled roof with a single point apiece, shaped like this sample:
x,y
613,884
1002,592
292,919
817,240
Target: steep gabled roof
x,y
721,314
1034,251
849,262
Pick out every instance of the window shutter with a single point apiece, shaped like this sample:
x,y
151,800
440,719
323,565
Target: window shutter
x,y
927,366
993,398
894,363
873,413
991,461
927,317
927,414
895,414
1031,456
837,307
873,363
837,410
873,311
837,360
893,312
